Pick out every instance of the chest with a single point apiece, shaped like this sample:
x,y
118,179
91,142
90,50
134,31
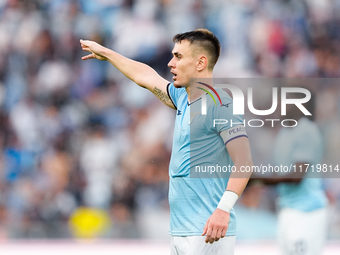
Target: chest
x,y
190,124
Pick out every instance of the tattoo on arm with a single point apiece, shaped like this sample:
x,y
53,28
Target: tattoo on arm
x,y
162,96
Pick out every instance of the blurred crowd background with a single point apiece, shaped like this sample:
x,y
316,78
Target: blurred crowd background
x,y
84,152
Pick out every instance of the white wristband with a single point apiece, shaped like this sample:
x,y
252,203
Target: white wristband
x,y
227,201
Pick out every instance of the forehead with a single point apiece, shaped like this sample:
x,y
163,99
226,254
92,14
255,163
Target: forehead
x,y
182,47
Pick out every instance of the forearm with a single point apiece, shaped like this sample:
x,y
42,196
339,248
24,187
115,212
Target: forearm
x,y
238,180
237,185
140,73
233,191
134,70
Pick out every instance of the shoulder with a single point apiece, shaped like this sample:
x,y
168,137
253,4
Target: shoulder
x,y
177,95
175,92
226,100
223,94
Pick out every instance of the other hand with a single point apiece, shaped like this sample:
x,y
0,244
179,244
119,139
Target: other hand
x,y
216,226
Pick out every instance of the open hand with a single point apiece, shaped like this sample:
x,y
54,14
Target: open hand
x,y
96,50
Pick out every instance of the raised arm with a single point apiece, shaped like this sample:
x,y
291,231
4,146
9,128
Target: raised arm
x,y
142,74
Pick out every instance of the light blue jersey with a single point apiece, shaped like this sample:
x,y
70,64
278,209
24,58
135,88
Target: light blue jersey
x,y
193,200
301,144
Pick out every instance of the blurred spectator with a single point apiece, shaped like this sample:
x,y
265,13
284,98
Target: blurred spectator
x,y
98,159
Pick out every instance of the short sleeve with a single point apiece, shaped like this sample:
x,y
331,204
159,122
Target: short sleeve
x,y
174,93
223,115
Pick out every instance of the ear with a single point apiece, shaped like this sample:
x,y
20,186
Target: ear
x,y
202,63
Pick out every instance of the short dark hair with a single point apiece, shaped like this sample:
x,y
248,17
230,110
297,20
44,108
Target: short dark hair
x,y
205,39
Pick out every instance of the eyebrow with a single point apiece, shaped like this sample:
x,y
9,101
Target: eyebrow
x,y
176,54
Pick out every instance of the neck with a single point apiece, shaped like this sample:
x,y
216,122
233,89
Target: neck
x,y
193,91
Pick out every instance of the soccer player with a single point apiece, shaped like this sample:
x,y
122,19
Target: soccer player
x,y
201,209
302,219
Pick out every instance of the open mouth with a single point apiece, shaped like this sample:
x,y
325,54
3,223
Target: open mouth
x,y
175,75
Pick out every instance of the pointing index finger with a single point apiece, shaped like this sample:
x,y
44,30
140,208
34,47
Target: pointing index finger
x,y
83,42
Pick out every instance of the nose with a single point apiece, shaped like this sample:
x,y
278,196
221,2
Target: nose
x,y
171,64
